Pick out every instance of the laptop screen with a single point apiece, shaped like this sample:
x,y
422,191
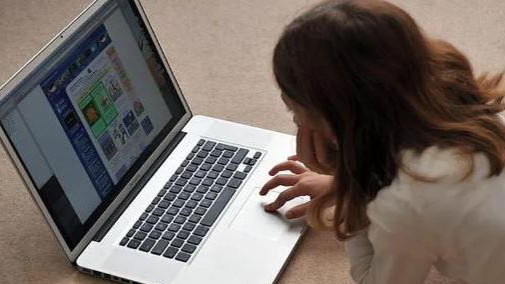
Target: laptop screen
x,y
87,119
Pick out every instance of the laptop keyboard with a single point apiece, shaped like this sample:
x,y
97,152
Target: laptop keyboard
x,y
185,209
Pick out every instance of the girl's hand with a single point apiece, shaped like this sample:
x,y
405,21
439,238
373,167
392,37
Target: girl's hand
x,y
303,182
314,151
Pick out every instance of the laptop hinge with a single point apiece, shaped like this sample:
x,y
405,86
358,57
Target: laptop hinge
x,y
141,183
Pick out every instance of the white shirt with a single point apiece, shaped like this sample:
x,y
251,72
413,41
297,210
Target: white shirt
x,y
456,226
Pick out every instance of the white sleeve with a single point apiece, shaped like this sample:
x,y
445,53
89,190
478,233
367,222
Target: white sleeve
x,y
396,247
389,259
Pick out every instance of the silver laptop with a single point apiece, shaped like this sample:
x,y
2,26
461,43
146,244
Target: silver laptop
x,y
135,188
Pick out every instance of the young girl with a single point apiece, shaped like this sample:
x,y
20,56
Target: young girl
x,y
399,139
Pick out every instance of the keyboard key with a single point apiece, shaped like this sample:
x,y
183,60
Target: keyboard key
x,y
168,236
164,204
173,178
180,220
205,167
197,161
195,240
158,212
239,156
186,211
252,162
171,252
211,160
247,161
173,210
216,188
197,196
208,146
202,154
200,174
192,168
257,155
134,244
188,227
201,231
223,161
181,181
200,211
124,241
240,175
213,175
190,156
143,216
218,168
168,185
155,234
183,234
188,248
216,153
152,220
207,182
137,224
191,204
174,227
200,142
184,196
160,247
211,195
232,167
146,228
206,203
184,257
179,170
140,236
235,183
226,174
218,206
220,146
178,203
162,193
176,189
177,243
147,245
130,233
170,197
228,154
167,218
185,163
230,148
247,169
161,226
189,188
187,175
202,189
221,181
195,218
195,181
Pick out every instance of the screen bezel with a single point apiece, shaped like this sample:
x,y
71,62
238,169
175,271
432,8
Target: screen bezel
x,y
29,68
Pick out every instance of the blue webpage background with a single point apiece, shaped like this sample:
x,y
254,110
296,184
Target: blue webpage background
x,y
54,87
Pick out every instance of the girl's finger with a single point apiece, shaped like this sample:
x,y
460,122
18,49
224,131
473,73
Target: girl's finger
x,y
284,197
298,211
293,158
292,166
285,180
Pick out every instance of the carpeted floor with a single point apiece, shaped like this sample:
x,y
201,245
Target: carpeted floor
x,y
220,51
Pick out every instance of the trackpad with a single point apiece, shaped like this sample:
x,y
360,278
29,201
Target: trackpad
x,y
254,221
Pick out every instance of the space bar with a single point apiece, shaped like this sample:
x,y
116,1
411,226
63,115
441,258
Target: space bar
x,y
217,207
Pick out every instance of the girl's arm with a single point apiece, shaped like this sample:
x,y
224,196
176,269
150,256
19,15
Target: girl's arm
x,y
387,259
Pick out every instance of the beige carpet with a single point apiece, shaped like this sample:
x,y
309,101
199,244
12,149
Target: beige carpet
x,y
220,51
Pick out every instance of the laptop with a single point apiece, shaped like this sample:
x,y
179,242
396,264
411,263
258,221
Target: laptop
x,y
135,188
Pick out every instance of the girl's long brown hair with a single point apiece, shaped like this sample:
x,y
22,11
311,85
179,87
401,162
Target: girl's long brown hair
x,y
366,68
